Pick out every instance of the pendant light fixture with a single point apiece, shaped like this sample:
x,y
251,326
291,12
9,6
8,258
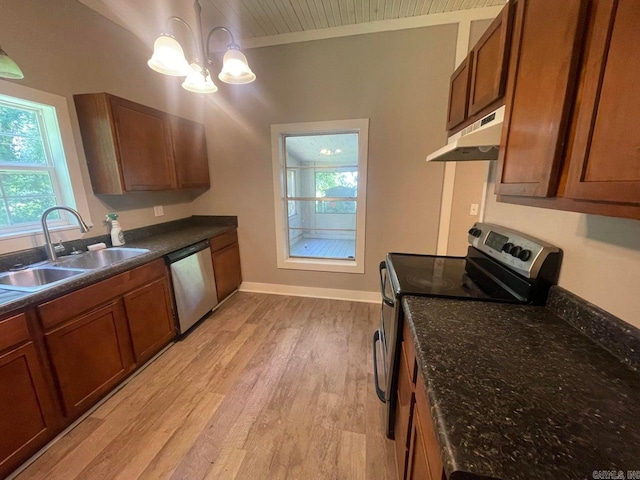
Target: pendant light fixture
x,y
168,58
9,68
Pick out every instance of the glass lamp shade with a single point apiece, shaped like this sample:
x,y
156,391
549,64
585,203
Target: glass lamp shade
x,y
168,57
235,69
9,68
197,83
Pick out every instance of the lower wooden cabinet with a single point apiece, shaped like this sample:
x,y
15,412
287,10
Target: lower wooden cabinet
x,y
90,354
417,450
28,412
150,319
226,263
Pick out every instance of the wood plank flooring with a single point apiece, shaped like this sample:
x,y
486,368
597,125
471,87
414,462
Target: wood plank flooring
x,y
323,248
268,387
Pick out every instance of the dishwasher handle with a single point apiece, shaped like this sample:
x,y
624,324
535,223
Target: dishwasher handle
x,y
178,255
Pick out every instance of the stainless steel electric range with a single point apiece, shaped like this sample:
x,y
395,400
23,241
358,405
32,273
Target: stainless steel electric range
x,y
501,265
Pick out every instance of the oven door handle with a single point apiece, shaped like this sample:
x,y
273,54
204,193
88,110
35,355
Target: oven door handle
x,y
385,299
379,391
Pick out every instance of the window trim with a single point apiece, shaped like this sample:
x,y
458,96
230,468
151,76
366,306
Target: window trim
x,y
278,133
71,185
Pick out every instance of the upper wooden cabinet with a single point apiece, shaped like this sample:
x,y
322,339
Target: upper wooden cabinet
x,y
490,62
542,72
132,147
459,94
478,84
190,153
571,141
604,158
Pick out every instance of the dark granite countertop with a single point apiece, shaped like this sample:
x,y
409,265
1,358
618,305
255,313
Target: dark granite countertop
x,y
158,239
519,393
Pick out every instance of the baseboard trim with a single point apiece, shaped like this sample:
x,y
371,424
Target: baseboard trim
x,y
315,292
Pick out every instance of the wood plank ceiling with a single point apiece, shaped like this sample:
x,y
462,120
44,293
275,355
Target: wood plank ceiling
x,y
261,19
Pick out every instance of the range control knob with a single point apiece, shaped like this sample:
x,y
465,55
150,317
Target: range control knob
x,y
472,230
524,255
515,252
475,232
506,248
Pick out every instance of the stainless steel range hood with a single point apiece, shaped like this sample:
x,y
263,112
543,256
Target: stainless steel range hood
x,y
478,141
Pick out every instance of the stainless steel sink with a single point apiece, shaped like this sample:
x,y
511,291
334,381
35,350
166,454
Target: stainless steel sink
x,y
100,258
37,278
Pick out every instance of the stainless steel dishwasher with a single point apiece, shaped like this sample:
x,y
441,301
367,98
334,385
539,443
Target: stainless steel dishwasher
x,y
194,285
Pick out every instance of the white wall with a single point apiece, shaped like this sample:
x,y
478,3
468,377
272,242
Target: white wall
x,y
601,254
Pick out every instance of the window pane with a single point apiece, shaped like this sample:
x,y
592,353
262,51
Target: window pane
x,y
335,207
29,209
20,136
317,243
4,217
26,184
321,235
332,149
337,184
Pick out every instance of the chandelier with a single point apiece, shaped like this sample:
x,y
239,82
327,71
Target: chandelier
x,y
168,58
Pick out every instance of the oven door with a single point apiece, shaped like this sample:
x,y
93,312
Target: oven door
x,y
386,336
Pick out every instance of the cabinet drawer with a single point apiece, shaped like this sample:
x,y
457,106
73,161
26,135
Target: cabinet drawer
x,y
223,240
57,311
13,330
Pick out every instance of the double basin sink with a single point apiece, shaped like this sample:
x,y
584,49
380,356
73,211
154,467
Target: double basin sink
x,y
47,274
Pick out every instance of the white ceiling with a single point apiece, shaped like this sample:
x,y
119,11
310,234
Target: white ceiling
x,y
260,19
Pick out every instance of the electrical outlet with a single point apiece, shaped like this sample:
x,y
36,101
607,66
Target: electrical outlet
x,y
158,211
474,209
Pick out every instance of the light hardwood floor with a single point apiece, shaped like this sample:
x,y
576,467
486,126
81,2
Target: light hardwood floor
x,y
268,387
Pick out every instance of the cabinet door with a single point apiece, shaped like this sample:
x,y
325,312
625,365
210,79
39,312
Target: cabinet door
x,y
190,153
150,319
27,411
404,413
604,161
425,450
144,145
90,354
459,93
226,268
490,62
542,77
417,464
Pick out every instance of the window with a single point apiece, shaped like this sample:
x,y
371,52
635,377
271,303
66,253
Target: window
x,y
37,170
320,174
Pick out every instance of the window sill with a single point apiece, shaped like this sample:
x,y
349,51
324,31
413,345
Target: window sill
x,y
321,265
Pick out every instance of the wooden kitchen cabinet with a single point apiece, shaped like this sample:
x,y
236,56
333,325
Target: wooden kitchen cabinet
x,y
28,412
580,151
459,94
477,86
189,153
542,74
417,451
98,335
490,63
90,354
604,158
150,319
132,147
225,253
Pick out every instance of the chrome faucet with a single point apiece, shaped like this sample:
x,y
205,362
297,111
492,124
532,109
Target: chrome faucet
x,y
48,246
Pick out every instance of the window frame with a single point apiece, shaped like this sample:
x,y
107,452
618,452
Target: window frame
x,y
59,142
278,133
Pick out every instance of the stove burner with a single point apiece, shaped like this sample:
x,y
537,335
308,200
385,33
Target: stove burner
x,y
430,284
